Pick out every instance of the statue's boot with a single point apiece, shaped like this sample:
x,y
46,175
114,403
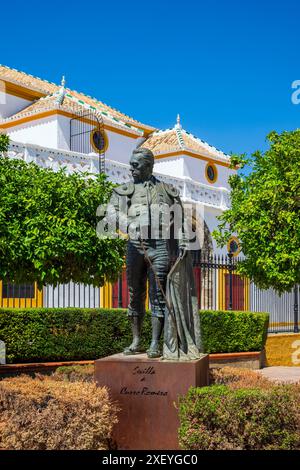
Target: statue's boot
x,y
157,327
136,325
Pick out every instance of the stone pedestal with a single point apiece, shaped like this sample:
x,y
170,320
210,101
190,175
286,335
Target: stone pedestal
x,y
147,391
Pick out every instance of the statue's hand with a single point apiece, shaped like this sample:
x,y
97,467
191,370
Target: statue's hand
x,y
182,252
134,231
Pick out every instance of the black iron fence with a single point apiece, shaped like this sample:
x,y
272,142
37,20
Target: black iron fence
x,y
217,283
219,286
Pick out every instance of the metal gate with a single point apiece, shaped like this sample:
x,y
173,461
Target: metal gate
x,y
220,287
87,135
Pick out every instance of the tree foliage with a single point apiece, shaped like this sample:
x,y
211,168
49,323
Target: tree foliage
x,y
48,226
4,141
265,213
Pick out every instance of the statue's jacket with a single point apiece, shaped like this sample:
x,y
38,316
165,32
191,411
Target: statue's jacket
x,y
151,209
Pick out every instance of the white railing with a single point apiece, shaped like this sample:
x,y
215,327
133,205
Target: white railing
x,y
191,191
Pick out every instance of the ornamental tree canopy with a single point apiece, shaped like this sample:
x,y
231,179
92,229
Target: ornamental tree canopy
x,y
48,227
4,141
265,213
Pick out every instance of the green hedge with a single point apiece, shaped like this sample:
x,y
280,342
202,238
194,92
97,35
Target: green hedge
x,y
231,331
54,334
220,418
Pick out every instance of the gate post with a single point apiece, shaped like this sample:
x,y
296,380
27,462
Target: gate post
x,y
120,288
296,307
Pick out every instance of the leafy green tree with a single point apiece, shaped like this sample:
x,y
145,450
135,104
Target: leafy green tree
x,y
48,227
4,141
265,213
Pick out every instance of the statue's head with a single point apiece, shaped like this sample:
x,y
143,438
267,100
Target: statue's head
x,y
141,164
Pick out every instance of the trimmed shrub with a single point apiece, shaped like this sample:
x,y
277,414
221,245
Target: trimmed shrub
x,y
44,414
219,417
54,334
42,334
231,331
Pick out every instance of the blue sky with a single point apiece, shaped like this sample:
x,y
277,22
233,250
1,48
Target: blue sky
x,y
225,66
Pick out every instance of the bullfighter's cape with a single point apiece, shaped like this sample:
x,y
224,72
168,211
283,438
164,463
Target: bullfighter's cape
x,y
182,330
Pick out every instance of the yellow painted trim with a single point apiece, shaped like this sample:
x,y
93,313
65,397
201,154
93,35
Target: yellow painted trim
x,y
177,153
215,171
55,112
106,295
222,289
280,324
37,301
22,92
122,235
147,301
233,238
104,137
121,131
247,294
19,121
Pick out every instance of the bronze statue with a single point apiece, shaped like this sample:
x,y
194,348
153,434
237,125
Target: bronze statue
x,y
143,211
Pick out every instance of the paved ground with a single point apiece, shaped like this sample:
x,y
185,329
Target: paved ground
x,y
281,374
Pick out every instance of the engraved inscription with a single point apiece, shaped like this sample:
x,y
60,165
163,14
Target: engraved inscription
x,y
145,391
141,374
146,371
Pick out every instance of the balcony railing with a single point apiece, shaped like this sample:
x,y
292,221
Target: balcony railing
x,y
191,191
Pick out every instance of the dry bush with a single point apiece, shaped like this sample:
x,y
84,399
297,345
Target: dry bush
x,y
236,378
42,413
74,373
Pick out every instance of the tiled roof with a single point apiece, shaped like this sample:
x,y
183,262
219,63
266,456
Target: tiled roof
x,y
47,88
69,104
177,139
26,80
46,104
